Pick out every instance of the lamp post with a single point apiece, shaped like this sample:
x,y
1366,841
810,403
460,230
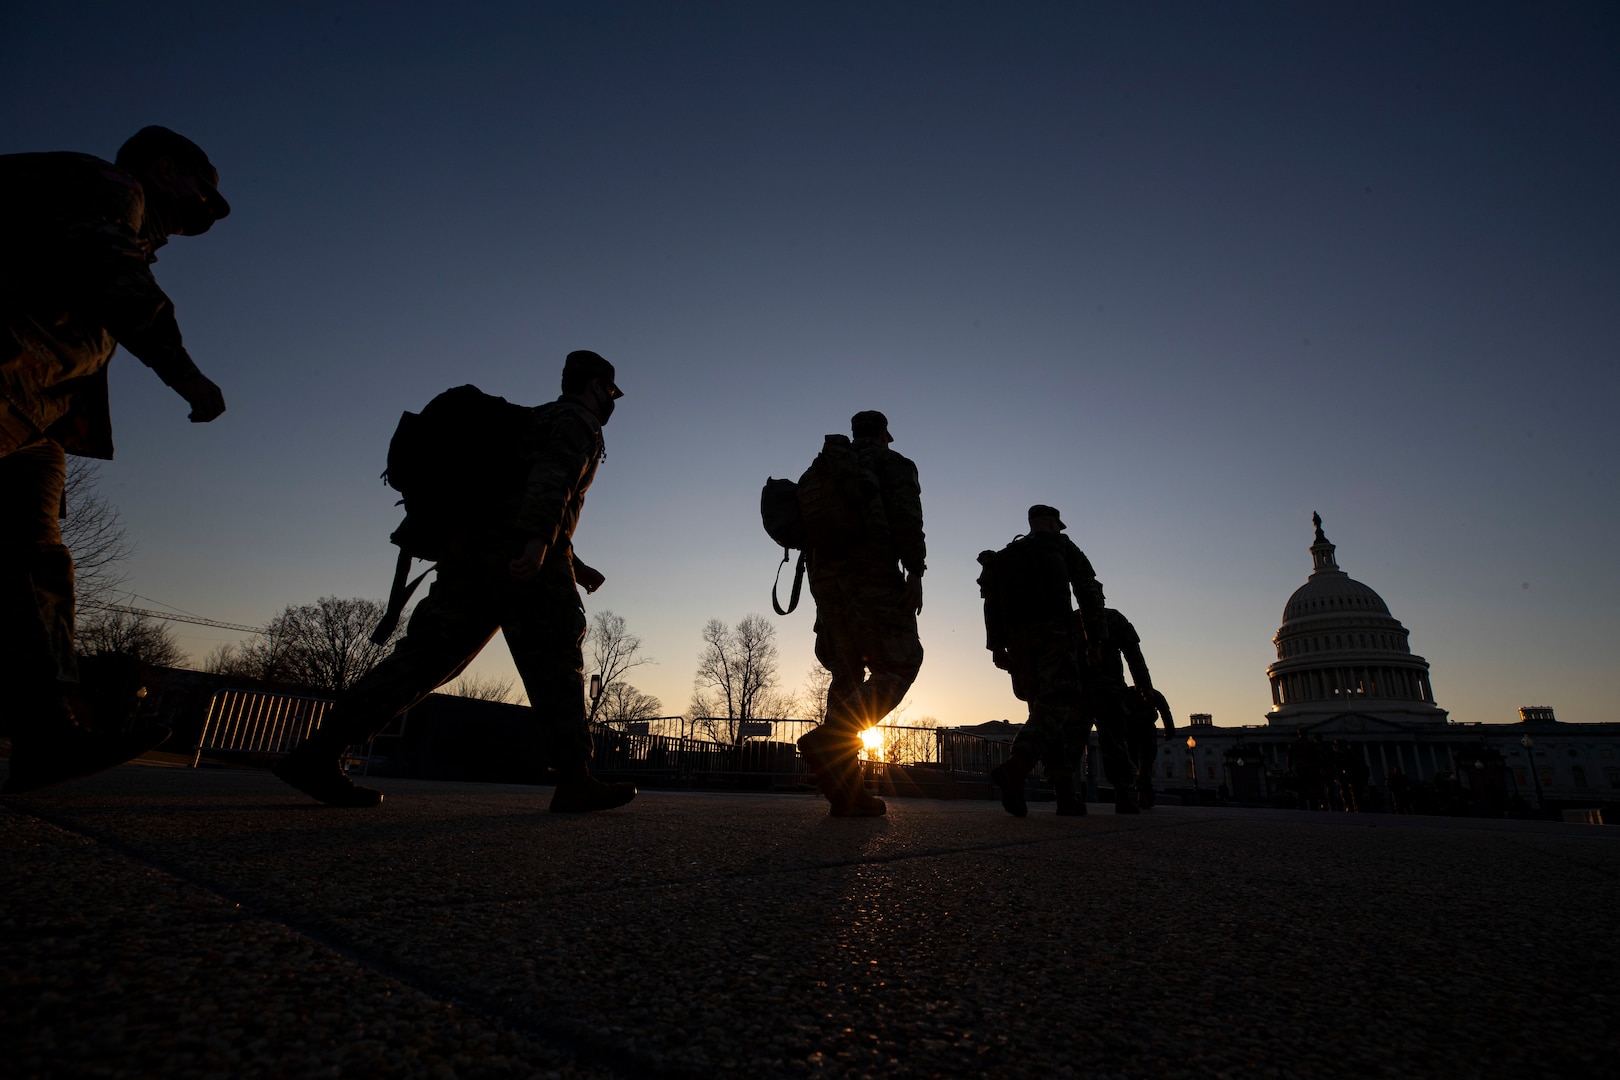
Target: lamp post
x,y
1192,763
1528,743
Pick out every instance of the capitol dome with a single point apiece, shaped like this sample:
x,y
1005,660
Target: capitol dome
x,y
1339,650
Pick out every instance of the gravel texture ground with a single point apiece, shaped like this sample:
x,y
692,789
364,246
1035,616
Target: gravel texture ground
x,y
170,922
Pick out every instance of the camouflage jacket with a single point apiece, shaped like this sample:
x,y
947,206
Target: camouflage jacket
x,y
1122,651
565,449
901,493
75,283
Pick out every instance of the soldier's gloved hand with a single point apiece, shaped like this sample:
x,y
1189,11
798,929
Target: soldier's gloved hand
x,y
526,565
913,593
203,396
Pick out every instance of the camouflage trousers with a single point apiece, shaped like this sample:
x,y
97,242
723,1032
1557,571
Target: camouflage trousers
x,y
867,638
544,626
36,572
1144,737
1046,674
1107,703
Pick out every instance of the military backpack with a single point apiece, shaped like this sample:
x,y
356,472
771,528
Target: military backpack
x,y
1025,582
454,464
835,504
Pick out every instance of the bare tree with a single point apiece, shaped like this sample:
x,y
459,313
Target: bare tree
x,y
94,533
481,688
614,650
147,640
736,678
621,701
264,657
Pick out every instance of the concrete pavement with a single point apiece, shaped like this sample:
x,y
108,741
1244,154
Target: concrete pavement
x,y
175,922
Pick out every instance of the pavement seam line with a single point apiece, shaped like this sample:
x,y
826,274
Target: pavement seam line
x,y
546,1032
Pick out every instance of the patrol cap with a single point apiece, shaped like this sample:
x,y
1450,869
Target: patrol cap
x,y
1040,510
150,143
583,365
870,424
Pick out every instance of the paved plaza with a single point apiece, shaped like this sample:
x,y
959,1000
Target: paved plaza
x,y
172,922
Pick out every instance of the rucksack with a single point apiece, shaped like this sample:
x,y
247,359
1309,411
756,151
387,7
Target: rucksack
x,y
835,504
1023,583
452,463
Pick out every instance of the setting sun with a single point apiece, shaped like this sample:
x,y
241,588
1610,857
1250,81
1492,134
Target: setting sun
x,y
872,739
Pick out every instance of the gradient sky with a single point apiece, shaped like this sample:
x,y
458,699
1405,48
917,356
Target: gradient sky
x,y
1187,271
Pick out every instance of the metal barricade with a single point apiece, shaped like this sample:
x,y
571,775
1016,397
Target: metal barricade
x,y
245,722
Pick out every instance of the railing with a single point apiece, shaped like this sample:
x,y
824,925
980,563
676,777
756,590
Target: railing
x,y
767,751
243,722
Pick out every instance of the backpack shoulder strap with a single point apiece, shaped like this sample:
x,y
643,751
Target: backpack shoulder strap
x,y
798,583
399,594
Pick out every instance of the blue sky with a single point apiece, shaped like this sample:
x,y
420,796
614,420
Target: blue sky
x,y
1187,271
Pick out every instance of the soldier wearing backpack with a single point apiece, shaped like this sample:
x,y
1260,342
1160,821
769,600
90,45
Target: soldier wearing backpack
x,y
1031,632
505,562
862,514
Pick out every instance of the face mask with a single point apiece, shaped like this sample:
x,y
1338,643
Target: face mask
x,y
604,403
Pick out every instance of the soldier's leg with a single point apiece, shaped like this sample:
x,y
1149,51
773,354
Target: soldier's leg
x,y
36,573
832,751
545,629
894,655
1113,744
38,666
1041,739
446,631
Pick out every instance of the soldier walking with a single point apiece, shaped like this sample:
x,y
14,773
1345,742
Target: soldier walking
x,y
1031,632
75,283
862,503
510,568
1127,738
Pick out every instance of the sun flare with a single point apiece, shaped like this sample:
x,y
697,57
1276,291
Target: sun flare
x,y
872,739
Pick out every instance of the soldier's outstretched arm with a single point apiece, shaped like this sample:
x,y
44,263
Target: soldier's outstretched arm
x,y
128,301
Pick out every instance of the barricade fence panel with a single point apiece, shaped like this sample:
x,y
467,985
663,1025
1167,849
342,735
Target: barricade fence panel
x,y
257,722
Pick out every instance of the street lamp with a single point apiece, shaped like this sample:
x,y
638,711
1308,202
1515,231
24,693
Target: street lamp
x,y
1527,742
1192,763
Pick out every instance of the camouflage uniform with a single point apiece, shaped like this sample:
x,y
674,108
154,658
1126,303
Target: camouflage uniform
x,y
475,594
75,283
1032,631
863,620
1116,708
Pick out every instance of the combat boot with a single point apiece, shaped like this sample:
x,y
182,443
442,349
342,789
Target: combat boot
x,y
1069,804
828,753
1009,777
583,793
1125,800
56,750
1145,797
319,774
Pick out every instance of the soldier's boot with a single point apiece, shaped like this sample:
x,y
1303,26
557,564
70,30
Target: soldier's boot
x,y
1009,777
1145,798
49,747
835,764
1069,804
853,800
315,767
578,792
1125,801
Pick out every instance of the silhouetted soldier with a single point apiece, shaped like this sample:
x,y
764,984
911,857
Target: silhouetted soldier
x,y
1399,788
75,283
1031,633
1148,711
1305,762
1117,711
866,608
512,571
